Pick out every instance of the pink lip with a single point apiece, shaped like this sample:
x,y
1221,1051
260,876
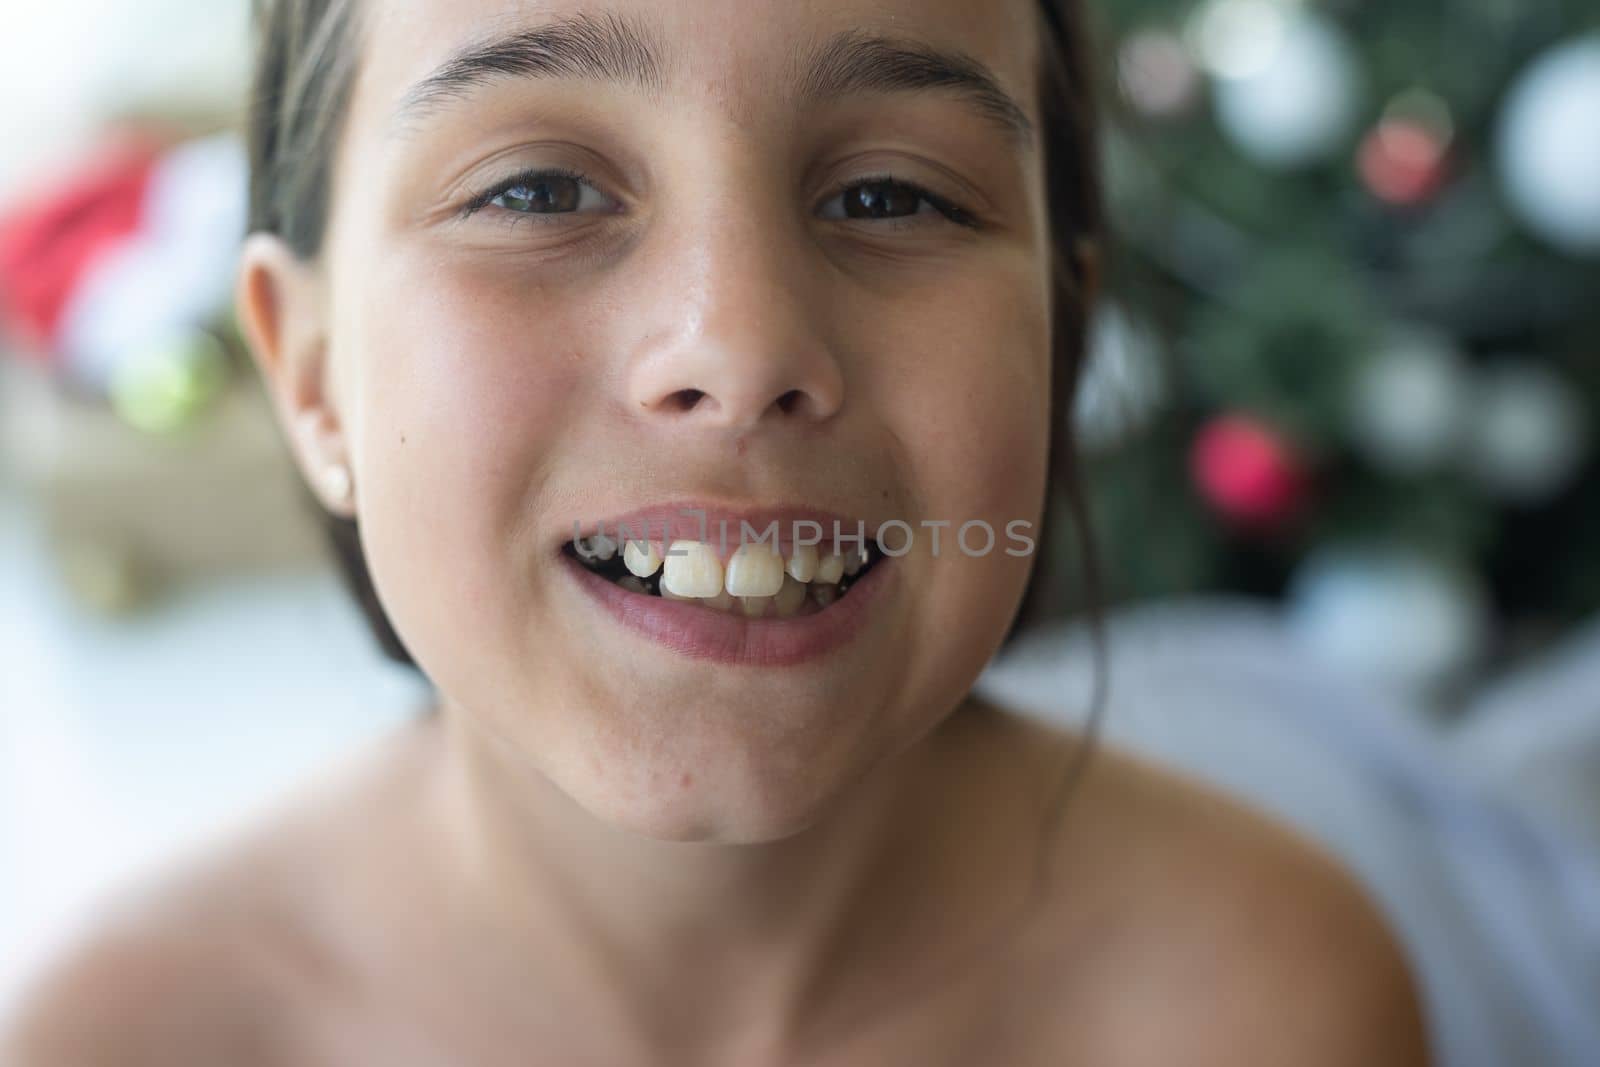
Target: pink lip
x,y
702,633
724,528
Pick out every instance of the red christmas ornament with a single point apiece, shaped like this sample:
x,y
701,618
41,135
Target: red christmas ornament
x,y
123,253
49,244
1402,161
1247,472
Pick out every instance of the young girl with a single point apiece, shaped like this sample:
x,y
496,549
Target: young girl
x,y
621,329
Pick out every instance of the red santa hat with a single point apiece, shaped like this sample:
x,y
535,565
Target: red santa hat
x,y
135,244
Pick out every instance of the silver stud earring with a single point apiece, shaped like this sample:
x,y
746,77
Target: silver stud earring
x,y
338,483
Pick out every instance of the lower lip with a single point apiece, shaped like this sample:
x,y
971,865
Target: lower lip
x,y
702,633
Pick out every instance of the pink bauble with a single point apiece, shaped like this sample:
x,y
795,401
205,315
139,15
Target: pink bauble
x,y
1402,162
1247,472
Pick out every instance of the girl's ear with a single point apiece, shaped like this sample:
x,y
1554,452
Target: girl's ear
x,y
283,316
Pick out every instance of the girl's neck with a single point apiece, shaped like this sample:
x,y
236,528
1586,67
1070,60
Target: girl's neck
x,y
678,942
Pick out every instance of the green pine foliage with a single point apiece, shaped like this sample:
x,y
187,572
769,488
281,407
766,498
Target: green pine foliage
x,y
1272,290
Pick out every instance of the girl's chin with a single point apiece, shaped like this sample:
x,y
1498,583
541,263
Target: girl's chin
x,y
704,807
721,770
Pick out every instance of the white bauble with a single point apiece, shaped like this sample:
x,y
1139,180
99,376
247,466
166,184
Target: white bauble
x,y
1286,84
1393,617
1549,146
1530,433
176,271
1410,401
1157,74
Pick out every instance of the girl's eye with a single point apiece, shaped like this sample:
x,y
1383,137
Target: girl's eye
x,y
555,192
542,193
886,198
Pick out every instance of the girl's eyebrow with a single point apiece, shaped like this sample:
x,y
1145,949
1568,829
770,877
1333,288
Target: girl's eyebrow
x,y
859,62
607,48
610,48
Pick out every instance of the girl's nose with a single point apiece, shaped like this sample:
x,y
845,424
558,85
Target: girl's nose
x,y
737,328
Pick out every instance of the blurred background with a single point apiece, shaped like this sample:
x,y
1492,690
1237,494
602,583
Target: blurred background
x,y
175,648
1352,361
1342,429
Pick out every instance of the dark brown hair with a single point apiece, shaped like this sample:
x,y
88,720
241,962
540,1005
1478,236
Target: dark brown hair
x,y
305,71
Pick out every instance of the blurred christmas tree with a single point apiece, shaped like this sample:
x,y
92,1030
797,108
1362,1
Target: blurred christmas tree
x,y
1350,355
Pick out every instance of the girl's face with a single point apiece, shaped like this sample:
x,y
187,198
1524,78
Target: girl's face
x,y
736,255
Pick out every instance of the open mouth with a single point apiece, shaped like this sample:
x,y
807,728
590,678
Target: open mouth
x,y
756,581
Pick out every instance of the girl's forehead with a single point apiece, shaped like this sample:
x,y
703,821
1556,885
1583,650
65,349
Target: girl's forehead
x,y
746,54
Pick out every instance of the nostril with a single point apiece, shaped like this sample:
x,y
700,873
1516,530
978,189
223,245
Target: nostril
x,y
686,399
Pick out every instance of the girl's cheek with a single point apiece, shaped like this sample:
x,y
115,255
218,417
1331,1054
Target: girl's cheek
x,y
468,394
475,366
974,409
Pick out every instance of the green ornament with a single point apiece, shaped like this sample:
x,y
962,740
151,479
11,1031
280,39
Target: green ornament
x,y
166,387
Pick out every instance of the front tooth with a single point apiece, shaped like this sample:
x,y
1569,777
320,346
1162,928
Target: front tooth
x,y
721,602
803,563
755,570
642,557
854,560
824,594
692,571
754,606
790,597
829,569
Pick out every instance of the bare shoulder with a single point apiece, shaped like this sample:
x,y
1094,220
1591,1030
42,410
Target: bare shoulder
x,y
146,987
1197,930
217,961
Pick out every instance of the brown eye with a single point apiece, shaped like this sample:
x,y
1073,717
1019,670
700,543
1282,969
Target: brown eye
x,y
881,200
885,199
549,195
547,192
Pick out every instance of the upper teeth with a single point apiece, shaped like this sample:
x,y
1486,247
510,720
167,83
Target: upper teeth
x,y
830,568
693,570
803,563
755,570
642,557
597,547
